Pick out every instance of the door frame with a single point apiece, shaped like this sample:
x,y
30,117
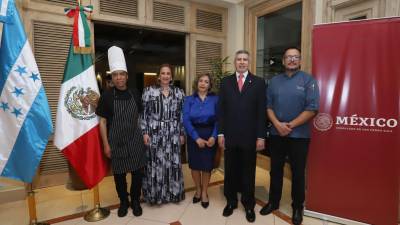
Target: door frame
x,y
253,11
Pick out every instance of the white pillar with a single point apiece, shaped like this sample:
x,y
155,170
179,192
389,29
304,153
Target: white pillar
x,y
235,35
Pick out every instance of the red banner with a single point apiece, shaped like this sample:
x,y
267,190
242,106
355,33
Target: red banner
x,y
353,167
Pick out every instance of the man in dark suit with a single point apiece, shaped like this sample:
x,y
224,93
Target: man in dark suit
x,y
241,121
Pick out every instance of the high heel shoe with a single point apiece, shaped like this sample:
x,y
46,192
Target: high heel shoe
x,y
196,199
205,204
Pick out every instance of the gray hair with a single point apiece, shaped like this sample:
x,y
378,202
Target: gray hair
x,y
242,51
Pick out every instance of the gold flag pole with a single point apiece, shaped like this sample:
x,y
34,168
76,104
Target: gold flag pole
x,y
32,207
97,213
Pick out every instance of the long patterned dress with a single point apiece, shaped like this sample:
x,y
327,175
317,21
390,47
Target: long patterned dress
x,y
162,121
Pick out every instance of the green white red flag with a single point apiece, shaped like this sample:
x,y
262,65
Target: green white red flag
x,y
77,132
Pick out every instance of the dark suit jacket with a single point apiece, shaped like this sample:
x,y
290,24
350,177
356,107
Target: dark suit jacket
x,y
241,115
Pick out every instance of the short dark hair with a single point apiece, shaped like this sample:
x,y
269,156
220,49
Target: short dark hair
x,y
291,47
196,81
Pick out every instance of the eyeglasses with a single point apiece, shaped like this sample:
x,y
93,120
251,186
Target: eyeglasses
x,y
292,57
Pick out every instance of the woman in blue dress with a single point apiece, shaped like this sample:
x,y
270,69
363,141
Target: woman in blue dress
x,y
200,121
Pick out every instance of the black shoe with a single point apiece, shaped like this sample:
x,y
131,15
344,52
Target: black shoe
x,y
205,204
250,215
228,210
268,208
136,208
196,199
297,216
123,208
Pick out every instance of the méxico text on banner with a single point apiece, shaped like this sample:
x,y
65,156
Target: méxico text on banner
x,y
353,169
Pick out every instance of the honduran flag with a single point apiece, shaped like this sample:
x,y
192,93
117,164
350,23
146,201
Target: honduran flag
x,y
77,132
25,120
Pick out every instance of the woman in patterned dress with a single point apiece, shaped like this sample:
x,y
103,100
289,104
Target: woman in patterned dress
x,y
163,134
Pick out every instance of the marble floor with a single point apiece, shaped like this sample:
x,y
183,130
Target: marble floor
x,y
58,205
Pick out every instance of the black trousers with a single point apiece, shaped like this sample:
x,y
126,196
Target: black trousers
x,y
240,172
136,185
296,149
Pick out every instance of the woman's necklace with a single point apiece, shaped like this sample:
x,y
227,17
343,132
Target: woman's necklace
x,y
165,91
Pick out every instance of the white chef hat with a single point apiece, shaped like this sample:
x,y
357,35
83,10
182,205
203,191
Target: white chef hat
x,y
116,59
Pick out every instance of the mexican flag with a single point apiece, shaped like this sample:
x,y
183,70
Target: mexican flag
x,y
77,132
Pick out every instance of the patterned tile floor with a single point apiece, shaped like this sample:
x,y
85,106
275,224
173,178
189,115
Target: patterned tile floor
x,y
58,205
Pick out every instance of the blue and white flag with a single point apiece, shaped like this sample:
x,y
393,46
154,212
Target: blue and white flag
x,y
25,121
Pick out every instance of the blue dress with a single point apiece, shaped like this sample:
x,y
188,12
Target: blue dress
x,y
200,121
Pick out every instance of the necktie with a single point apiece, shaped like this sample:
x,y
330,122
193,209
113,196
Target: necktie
x,y
240,81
